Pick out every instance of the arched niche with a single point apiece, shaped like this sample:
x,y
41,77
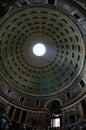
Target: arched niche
x,y
53,106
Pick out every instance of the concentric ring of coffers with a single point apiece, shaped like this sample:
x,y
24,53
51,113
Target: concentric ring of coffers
x,y
52,72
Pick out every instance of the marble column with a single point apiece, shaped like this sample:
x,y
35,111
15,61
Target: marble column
x,y
14,111
20,116
26,118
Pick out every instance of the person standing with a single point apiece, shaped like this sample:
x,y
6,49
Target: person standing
x,y
2,122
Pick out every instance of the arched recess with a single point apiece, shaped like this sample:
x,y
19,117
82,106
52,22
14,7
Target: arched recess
x,y
53,106
54,109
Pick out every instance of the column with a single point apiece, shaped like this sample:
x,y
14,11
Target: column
x,y
14,111
26,119
8,109
20,116
81,111
68,114
63,119
75,116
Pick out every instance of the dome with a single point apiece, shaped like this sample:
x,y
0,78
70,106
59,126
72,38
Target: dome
x,y
58,68
30,77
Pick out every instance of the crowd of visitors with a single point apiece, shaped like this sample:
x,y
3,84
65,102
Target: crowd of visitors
x,y
6,124
12,125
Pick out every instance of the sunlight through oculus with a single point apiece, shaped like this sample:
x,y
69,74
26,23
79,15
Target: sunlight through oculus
x,y
39,49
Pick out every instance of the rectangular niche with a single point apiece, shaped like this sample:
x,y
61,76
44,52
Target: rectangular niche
x,y
8,92
21,99
82,83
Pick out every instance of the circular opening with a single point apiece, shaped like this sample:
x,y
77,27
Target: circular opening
x,y
39,49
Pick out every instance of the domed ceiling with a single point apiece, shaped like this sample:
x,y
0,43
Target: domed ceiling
x,y
44,75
